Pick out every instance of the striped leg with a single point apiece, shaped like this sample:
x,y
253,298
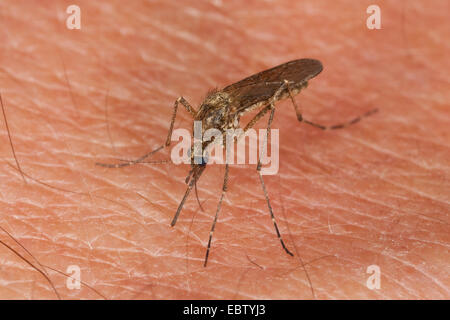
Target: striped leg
x,y
258,168
224,190
322,127
193,178
259,115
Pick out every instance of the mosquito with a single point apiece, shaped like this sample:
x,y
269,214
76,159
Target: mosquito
x,y
222,110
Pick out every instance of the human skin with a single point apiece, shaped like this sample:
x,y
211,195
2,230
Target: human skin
x,y
373,194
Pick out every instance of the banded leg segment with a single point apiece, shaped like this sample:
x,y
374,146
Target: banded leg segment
x,y
322,127
141,159
251,123
193,177
258,169
224,190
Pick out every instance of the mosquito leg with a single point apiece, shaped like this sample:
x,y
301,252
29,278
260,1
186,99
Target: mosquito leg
x,y
195,176
258,168
251,123
224,190
322,127
341,125
188,107
129,162
256,118
198,199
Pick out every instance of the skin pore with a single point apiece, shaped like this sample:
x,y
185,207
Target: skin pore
x,y
374,194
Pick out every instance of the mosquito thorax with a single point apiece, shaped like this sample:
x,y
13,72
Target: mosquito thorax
x,y
215,111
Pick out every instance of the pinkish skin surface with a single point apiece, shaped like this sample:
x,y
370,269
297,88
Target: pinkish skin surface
x,y
374,194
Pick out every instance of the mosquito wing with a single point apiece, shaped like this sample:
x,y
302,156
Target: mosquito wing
x,y
262,86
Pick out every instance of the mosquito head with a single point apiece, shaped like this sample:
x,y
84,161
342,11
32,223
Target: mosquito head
x,y
198,158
